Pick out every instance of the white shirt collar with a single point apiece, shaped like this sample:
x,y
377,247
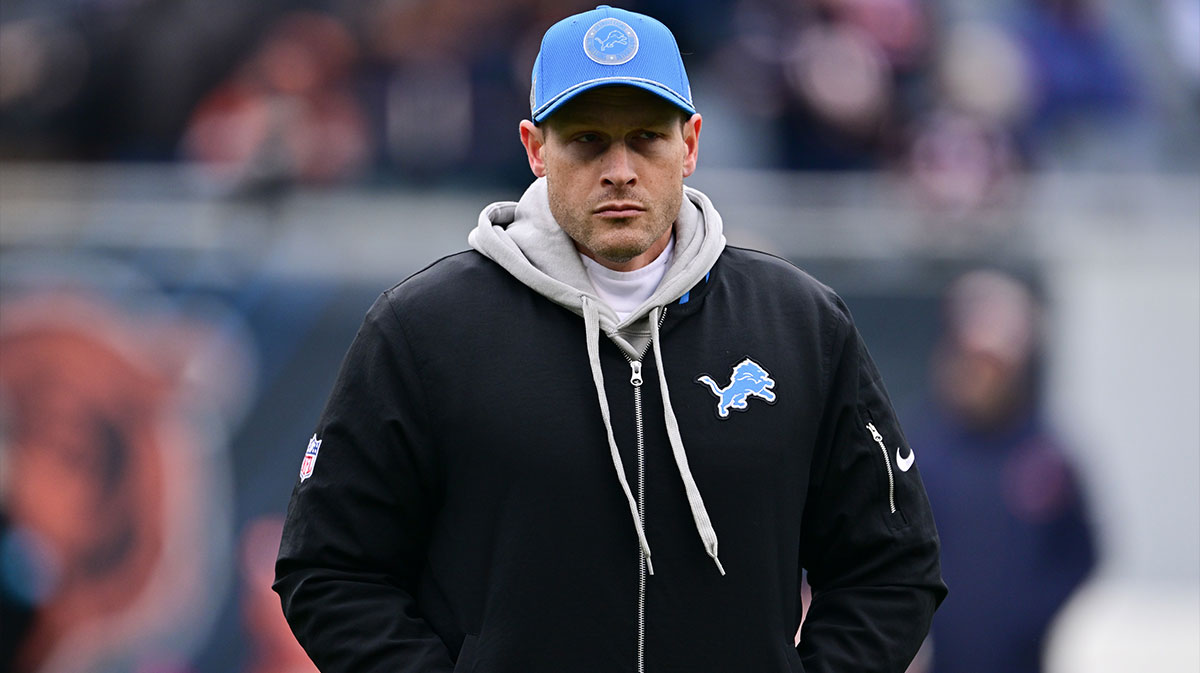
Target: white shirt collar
x,y
624,291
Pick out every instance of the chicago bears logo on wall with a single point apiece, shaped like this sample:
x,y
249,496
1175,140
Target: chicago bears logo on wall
x,y
748,379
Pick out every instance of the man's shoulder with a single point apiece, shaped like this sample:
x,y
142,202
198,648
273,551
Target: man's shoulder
x,y
753,270
454,280
766,263
455,272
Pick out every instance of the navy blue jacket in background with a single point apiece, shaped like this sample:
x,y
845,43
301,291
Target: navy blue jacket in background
x,y
1016,541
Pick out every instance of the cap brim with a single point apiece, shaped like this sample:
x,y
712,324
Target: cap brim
x,y
647,85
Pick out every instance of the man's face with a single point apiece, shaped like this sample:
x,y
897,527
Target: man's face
x,y
614,159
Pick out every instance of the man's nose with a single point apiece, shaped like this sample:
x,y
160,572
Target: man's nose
x,y
618,167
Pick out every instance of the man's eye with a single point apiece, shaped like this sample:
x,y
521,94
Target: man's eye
x,y
587,138
647,135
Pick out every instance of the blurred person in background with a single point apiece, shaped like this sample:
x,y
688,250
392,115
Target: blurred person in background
x,y
287,115
1084,111
834,81
1014,526
502,448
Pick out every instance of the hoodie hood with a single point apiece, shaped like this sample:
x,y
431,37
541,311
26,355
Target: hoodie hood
x,y
524,238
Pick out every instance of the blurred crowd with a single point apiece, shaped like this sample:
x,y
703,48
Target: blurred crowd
x,y
959,94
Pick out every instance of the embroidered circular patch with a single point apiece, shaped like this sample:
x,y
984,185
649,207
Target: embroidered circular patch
x,y
610,42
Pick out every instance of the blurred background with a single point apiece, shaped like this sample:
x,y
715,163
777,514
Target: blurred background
x,y
199,199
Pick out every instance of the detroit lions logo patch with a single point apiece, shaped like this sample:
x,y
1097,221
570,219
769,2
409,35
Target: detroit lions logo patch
x,y
610,42
748,379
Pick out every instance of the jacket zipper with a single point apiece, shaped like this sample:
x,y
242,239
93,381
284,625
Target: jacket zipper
x,y
635,379
887,462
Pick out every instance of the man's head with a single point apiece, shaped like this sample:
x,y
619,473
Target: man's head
x,y
614,132
983,364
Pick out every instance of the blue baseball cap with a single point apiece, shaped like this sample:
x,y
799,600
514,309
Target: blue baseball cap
x,y
606,47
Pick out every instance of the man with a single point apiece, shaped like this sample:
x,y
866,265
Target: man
x,y
534,448
1012,511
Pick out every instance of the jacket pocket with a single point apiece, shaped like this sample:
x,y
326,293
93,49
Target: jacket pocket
x,y
887,465
893,515
466,655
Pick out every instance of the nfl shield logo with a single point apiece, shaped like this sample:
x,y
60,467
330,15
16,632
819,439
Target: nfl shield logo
x,y
310,458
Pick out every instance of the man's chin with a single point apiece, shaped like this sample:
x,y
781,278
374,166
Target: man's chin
x,y
615,256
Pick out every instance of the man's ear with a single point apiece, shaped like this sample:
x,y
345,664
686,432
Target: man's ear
x,y
534,140
691,138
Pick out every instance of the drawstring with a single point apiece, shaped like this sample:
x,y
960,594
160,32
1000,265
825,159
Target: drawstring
x,y
703,525
591,326
591,322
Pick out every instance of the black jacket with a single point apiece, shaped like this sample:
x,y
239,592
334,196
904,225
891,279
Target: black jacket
x,y
463,515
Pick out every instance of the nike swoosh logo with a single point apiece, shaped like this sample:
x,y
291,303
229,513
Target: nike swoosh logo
x,y
905,463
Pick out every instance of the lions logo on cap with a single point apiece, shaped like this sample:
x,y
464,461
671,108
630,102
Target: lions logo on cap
x,y
610,42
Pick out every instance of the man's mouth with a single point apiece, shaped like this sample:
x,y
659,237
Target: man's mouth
x,y
619,209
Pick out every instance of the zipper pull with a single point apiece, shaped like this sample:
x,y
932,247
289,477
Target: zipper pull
x,y
636,378
875,433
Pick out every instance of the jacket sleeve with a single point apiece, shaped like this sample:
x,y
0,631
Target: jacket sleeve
x,y
868,543
356,530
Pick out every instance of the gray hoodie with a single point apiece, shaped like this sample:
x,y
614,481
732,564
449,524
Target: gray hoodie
x,y
524,239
